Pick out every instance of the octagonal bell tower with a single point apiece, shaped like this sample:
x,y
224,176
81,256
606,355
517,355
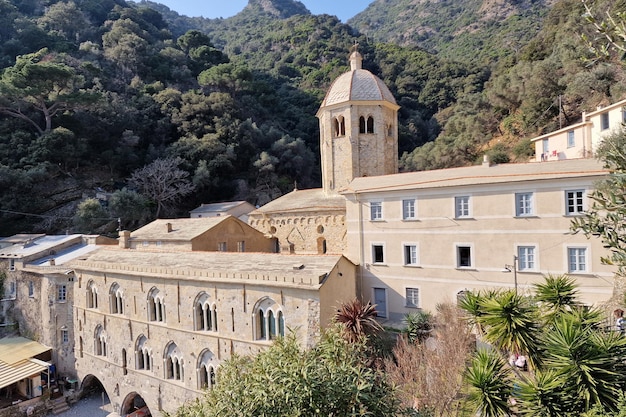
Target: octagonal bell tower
x,y
358,128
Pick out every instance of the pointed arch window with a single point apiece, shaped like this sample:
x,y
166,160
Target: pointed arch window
x,y
100,341
143,354
269,319
361,124
207,366
205,314
156,306
370,124
92,295
173,362
116,299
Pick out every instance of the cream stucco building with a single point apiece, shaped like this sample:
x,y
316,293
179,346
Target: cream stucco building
x,y
423,238
580,140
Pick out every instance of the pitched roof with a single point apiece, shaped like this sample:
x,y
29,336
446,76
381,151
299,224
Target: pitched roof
x,y
37,245
475,175
219,207
181,229
301,201
271,268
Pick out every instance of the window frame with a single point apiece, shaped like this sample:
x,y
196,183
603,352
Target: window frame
x,y
525,207
576,251
604,121
578,208
409,207
376,211
571,139
410,258
458,248
462,207
374,247
525,264
61,293
409,300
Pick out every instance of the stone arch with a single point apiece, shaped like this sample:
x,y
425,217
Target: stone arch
x,y
133,402
206,369
116,299
91,385
204,313
268,319
173,362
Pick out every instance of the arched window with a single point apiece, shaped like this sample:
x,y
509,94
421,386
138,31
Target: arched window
x,y
206,370
205,313
361,124
156,306
336,128
342,126
80,346
370,124
269,319
173,362
92,295
116,299
100,341
143,354
124,362
321,245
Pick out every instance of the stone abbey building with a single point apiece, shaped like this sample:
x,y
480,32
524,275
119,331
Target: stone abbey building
x,y
152,316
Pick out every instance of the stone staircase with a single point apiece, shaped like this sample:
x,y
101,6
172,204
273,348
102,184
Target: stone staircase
x,y
59,405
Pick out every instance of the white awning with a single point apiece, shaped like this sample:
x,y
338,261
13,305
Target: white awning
x,y
17,349
10,374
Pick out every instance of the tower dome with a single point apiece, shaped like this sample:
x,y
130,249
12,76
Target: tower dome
x,y
358,122
357,84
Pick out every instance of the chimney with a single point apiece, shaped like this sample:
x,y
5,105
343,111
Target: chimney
x,y
169,227
124,239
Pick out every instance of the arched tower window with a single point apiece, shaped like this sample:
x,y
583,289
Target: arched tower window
x,y
336,129
342,126
361,124
370,124
92,295
156,306
207,367
143,354
173,362
100,341
205,313
269,320
116,299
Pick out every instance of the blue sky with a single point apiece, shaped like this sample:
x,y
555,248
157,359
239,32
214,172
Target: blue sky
x,y
343,9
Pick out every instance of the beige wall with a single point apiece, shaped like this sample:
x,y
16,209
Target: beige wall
x,y
304,230
232,232
492,232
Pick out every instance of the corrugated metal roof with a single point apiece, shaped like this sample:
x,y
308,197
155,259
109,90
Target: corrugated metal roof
x,y
10,374
17,349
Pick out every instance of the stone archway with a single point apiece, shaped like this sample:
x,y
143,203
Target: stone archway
x,y
134,403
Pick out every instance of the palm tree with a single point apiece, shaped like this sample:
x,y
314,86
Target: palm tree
x,y
489,384
557,294
418,325
589,362
358,320
510,323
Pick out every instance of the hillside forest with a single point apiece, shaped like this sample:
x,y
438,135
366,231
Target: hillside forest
x,y
102,99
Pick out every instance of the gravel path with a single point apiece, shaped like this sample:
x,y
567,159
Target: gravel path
x,y
90,406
